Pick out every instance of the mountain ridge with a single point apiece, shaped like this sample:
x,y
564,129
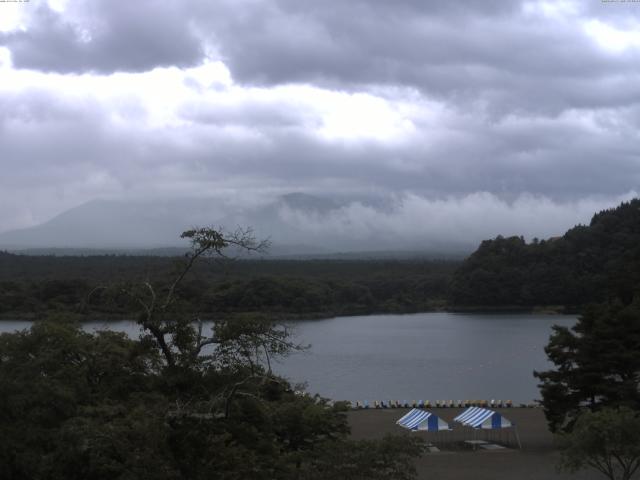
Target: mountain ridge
x,y
296,223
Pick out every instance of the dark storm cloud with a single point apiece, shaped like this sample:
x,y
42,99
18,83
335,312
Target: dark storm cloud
x,y
512,56
465,155
277,145
105,36
500,53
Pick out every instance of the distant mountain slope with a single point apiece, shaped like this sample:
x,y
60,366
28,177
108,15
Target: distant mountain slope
x,y
144,224
297,224
587,264
112,224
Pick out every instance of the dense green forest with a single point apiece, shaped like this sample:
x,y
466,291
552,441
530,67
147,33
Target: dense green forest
x,y
587,264
33,285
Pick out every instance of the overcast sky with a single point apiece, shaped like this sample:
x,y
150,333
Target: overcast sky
x,y
480,109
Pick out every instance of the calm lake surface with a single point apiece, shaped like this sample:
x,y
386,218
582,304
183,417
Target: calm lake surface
x,y
434,356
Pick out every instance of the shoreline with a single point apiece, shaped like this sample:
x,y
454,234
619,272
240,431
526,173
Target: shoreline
x,y
293,317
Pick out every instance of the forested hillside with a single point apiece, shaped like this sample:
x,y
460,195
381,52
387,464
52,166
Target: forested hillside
x,y
587,264
31,286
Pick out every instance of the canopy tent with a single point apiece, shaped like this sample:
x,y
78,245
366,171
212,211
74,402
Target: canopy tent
x,y
485,419
477,417
422,420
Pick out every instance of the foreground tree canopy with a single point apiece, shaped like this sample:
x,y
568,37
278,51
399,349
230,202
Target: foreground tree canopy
x,y
177,403
597,364
607,441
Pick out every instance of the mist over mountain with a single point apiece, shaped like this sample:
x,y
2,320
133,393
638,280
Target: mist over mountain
x,y
295,223
111,224
304,224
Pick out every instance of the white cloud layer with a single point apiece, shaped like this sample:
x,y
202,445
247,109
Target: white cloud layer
x,y
416,222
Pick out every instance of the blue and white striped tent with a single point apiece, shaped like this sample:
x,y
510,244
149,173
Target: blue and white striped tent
x,y
422,420
477,417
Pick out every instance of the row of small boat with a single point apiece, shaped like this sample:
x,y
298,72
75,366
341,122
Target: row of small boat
x,y
435,404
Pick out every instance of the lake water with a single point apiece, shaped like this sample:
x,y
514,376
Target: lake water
x,y
435,356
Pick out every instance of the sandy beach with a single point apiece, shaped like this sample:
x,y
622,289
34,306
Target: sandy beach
x,y
536,460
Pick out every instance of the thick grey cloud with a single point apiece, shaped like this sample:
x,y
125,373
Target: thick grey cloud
x,y
506,57
510,58
103,36
271,146
497,104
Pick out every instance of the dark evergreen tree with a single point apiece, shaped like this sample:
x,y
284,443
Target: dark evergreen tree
x,y
597,364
